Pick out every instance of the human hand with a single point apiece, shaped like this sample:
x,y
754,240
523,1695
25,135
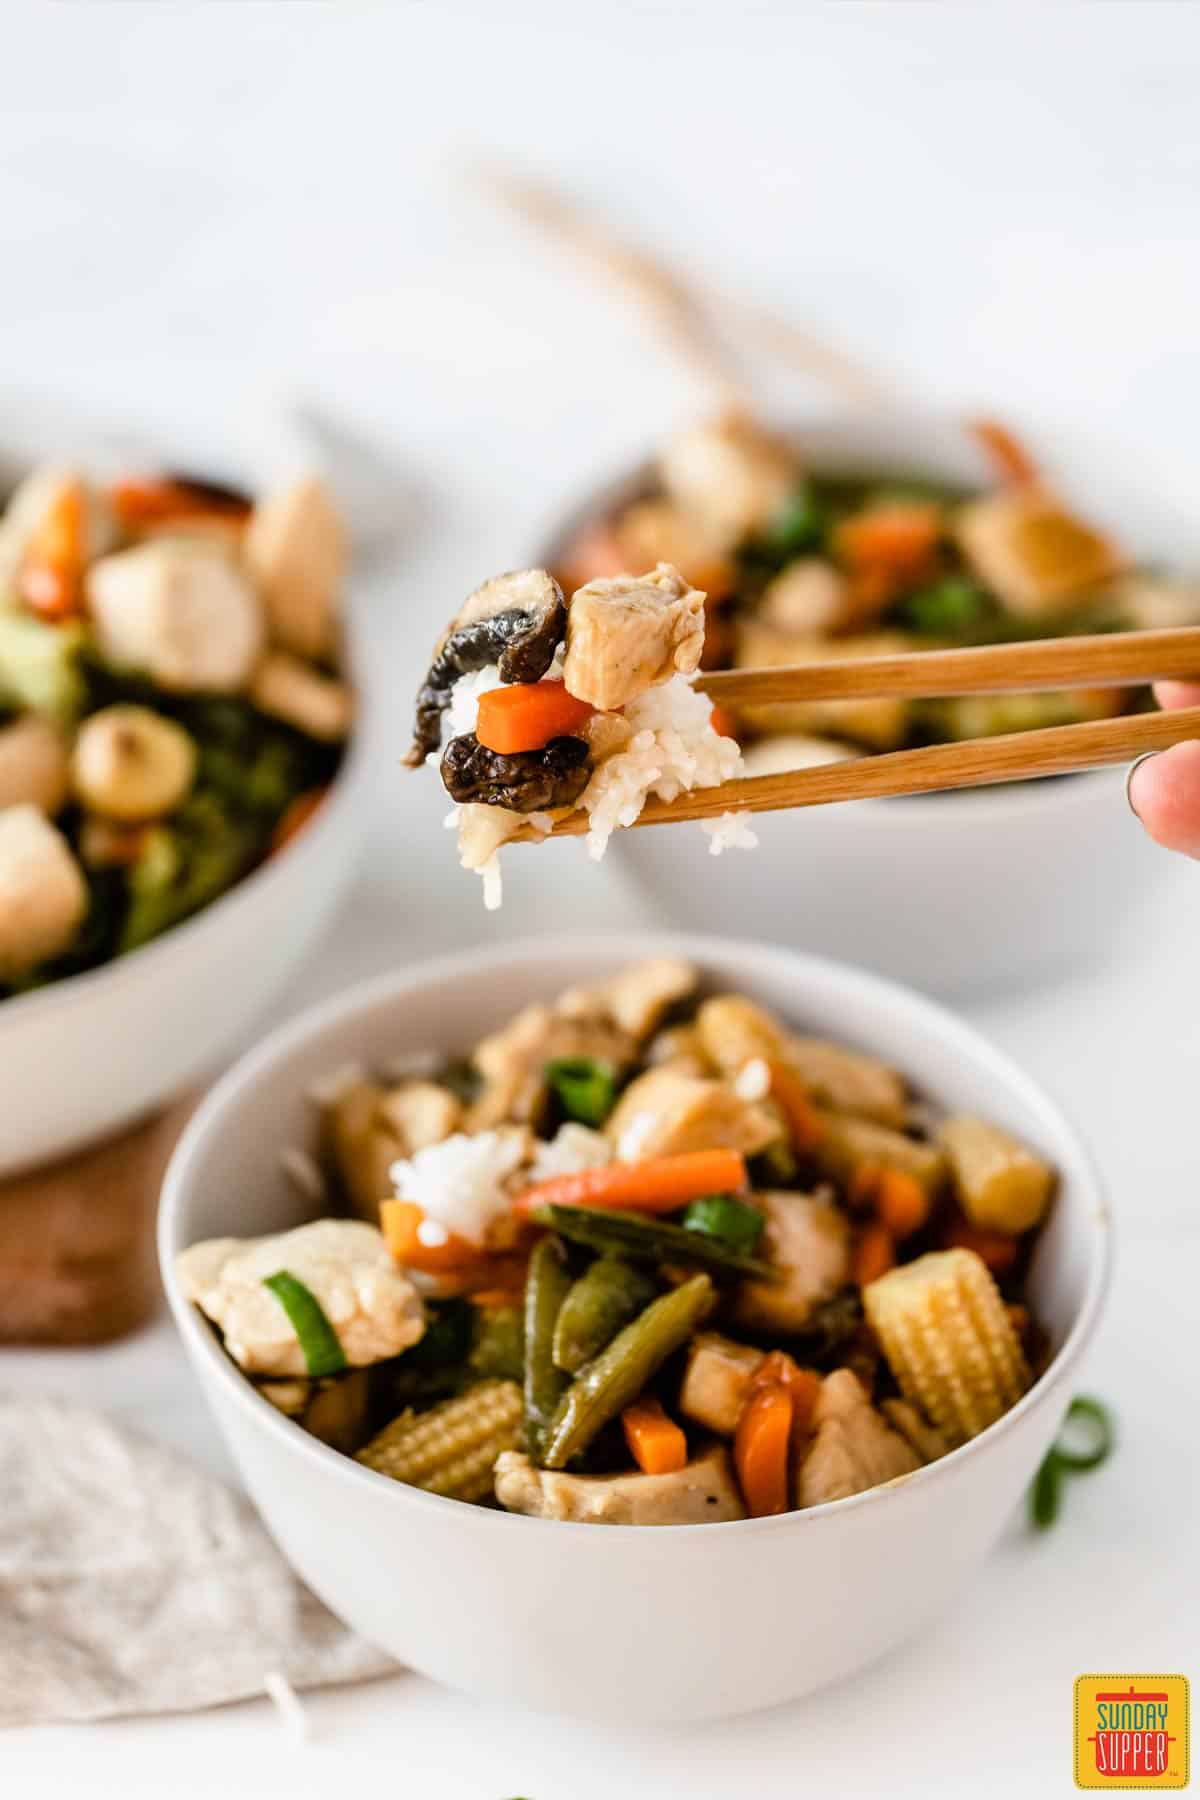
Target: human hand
x,y
1164,789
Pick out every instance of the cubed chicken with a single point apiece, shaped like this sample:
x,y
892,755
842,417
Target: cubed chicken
x,y
1033,553
717,1381
730,473
369,1127
850,1144
638,997
702,1493
35,764
178,611
924,1439
295,549
512,1060
807,1240
43,895
657,531
792,750
665,1113
679,1047
852,1448
849,1080
734,1031
879,724
1000,1185
627,633
1156,603
810,598
372,1306
290,690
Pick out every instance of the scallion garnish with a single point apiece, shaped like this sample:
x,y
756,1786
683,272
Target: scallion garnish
x,y
322,1351
1065,1458
585,1088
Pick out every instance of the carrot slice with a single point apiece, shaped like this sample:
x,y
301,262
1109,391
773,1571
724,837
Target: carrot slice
x,y
874,1254
140,502
656,1443
804,1385
888,548
50,578
996,1249
761,1448
723,722
792,1095
901,1202
1012,461
399,1221
526,715
661,1184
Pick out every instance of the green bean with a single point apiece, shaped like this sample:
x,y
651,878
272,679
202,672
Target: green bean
x,y
604,1299
545,1290
498,1345
646,1240
620,1372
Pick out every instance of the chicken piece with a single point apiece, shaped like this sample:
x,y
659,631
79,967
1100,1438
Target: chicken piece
x,y
369,1127
852,1447
629,632
730,473
288,689
810,597
43,895
372,1306
780,755
921,1437
665,1113
679,1047
1000,1185
702,1493
734,1031
35,765
1032,553
295,550
178,611
636,998
849,1081
716,1381
1154,603
849,1143
807,1240
879,724
512,1060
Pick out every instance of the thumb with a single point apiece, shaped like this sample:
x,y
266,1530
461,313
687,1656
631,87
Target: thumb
x,y
1164,792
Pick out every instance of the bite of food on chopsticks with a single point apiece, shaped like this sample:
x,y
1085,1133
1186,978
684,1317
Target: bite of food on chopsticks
x,y
645,1255
552,707
172,709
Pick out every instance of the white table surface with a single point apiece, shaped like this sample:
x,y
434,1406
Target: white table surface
x,y
209,212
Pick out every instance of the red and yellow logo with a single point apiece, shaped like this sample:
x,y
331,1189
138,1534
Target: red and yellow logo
x,y
1131,1731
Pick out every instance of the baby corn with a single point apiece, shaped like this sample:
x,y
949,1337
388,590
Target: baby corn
x,y
948,1340
451,1449
1001,1186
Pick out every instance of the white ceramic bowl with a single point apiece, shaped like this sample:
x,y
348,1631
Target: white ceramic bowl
x,y
631,1624
85,1056
952,892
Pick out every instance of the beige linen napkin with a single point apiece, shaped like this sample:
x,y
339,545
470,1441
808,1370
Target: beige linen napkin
x,y
131,1582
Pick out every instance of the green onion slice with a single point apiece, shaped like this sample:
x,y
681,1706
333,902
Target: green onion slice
x,y
1087,1435
318,1340
586,1088
725,1217
1045,1496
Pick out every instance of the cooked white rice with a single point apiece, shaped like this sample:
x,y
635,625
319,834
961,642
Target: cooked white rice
x,y
571,1150
459,1183
729,831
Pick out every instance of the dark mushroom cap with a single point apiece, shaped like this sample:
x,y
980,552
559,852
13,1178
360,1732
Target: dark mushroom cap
x,y
516,620
527,781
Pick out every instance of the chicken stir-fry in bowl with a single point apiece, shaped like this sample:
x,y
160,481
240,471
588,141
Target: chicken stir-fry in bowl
x,y
171,705
801,564
645,1254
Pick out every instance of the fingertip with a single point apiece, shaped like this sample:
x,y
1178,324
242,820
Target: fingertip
x,y
1164,792
1173,694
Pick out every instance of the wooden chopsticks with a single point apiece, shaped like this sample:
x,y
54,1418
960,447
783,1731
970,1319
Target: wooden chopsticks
x,y
1117,659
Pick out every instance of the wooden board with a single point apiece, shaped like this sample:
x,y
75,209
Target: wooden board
x,y
77,1261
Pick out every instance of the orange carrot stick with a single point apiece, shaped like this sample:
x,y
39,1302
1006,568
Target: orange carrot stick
x,y
661,1184
890,547
874,1254
527,714
761,1447
804,1385
399,1221
792,1096
50,577
723,722
1012,461
901,1202
656,1443
997,1249
152,500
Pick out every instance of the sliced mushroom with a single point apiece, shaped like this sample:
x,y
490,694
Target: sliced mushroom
x,y
527,781
853,1448
516,620
702,1493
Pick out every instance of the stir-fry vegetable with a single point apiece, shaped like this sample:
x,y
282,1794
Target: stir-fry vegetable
x,y
698,1336
1066,1458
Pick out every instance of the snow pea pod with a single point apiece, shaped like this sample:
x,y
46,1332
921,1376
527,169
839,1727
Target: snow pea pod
x,y
605,1298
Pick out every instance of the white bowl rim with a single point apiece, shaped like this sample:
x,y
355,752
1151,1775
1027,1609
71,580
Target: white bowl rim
x,y
1005,797
279,1045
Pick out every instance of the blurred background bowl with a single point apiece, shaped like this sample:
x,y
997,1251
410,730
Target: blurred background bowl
x,y
85,1056
953,893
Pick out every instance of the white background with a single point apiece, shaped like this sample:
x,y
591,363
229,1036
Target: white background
x,y
210,213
